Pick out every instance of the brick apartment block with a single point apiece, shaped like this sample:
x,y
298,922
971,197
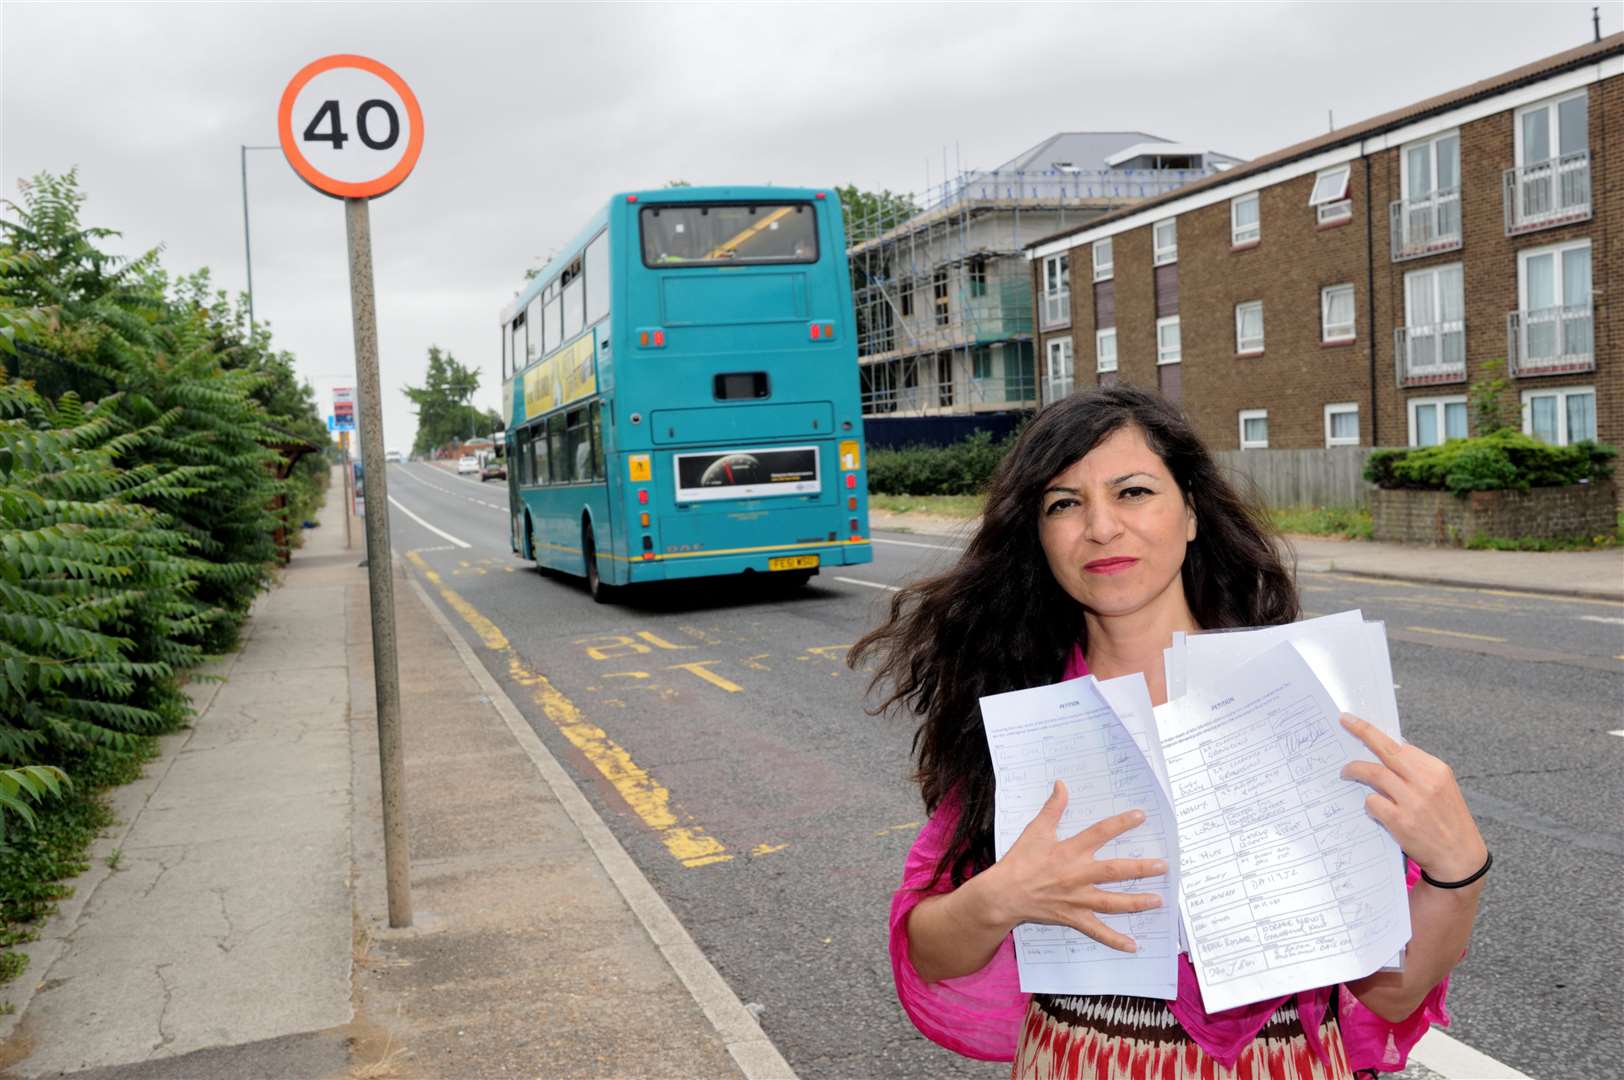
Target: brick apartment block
x,y
1463,237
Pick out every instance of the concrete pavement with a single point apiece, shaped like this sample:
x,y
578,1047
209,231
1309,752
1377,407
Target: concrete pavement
x,y
240,927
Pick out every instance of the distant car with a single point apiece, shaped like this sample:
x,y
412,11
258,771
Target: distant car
x,y
467,466
495,469
393,455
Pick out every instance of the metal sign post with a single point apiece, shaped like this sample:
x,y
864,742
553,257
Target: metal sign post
x,y
352,129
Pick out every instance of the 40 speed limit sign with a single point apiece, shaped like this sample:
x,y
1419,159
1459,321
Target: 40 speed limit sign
x,y
350,127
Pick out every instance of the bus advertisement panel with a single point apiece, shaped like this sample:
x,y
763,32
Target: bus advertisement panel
x,y
681,392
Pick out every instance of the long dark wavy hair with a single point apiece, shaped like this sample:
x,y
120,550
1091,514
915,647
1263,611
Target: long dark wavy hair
x,y
998,620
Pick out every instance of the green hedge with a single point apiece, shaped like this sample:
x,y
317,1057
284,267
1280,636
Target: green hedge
x,y
1501,461
962,468
138,416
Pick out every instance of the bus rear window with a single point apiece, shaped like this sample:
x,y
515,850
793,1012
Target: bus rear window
x,y
729,234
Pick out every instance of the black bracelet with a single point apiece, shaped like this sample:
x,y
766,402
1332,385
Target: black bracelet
x,y
1463,882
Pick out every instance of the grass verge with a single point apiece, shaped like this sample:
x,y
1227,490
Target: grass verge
x,y
1349,523
954,506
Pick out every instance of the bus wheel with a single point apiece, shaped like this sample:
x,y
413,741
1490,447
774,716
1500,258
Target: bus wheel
x,y
594,581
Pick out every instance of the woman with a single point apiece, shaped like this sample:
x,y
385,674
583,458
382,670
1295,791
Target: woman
x,y
1108,527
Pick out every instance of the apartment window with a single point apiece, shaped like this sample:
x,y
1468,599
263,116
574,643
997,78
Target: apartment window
x,y
1551,181
938,290
1102,259
1562,417
1058,372
1427,217
1254,429
1105,356
1553,325
1433,420
1336,313
1056,291
1169,347
1342,424
1433,338
1330,196
1244,225
1249,327
1165,241
905,291
944,378
978,277
981,361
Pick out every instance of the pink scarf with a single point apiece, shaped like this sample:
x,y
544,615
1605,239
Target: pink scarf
x,y
979,1015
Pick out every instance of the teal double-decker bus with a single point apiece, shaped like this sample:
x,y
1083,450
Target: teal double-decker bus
x,y
681,393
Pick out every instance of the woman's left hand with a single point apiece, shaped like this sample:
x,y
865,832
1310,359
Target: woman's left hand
x,y
1416,799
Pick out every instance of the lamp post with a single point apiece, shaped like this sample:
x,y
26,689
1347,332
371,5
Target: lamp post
x,y
247,248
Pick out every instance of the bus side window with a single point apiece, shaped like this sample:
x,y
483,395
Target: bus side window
x,y
578,445
532,331
521,456
597,278
516,348
555,449
507,354
574,309
538,454
552,321
597,441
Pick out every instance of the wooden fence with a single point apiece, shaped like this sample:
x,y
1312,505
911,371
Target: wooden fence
x,y
1329,477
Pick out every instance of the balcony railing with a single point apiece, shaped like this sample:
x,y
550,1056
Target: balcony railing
x,y
1056,309
1056,388
1003,389
1424,355
1551,341
1425,225
1550,192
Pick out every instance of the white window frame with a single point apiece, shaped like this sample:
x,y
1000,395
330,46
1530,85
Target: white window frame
x,y
1439,328
1555,251
1341,408
1406,190
1330,201
1561,393
1441,404
1241,348
1057,291
1100,338
1253,233
1553,106
1059,349
1168,252
1106,270
1254,414
1164,355
1325,316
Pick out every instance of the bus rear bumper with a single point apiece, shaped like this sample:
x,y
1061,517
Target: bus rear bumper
x,y
690,566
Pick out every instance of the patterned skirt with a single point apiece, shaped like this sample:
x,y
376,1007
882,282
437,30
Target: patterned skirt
x,y
1130,1038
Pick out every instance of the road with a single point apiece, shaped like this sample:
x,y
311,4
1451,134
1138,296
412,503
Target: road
x,y
718,731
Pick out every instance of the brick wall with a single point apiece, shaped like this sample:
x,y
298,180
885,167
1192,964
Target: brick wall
x,y
1297,375
1439,517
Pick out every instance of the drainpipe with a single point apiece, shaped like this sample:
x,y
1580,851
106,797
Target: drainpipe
x,y
1370,297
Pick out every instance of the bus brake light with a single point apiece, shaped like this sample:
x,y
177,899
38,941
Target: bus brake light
x,y
851,480
815,331
659,339
642,496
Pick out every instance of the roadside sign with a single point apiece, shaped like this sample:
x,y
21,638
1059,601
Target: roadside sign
x,y
350,127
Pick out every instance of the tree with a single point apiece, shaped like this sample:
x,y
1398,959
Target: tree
x,y
870,213
444,404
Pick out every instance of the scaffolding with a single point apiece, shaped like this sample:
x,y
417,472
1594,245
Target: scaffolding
x,y
943,292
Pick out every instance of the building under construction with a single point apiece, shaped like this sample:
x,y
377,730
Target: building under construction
x,y
943,291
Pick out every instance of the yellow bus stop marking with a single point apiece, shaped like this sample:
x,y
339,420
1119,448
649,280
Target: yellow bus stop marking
x,y
648,799
1454,633
698,668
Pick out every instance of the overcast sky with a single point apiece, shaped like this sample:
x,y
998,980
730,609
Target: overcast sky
x,y
534,114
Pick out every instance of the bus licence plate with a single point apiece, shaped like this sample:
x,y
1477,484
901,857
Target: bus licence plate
x,y
793,562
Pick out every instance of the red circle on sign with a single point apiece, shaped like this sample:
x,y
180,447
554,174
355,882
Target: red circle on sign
x,y
319,180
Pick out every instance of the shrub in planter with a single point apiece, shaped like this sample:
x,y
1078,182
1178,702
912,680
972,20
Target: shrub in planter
x,y
962,468
1504,460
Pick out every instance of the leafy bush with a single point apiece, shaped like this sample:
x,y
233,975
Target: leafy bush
x,y
1502,460
962,468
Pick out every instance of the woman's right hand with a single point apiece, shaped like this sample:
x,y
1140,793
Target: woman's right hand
x,y
1043,879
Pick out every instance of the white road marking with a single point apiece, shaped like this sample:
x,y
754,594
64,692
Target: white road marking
x,y
1602,619
448,491
437,532
1619,733
869,584
912,543
1457,1061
